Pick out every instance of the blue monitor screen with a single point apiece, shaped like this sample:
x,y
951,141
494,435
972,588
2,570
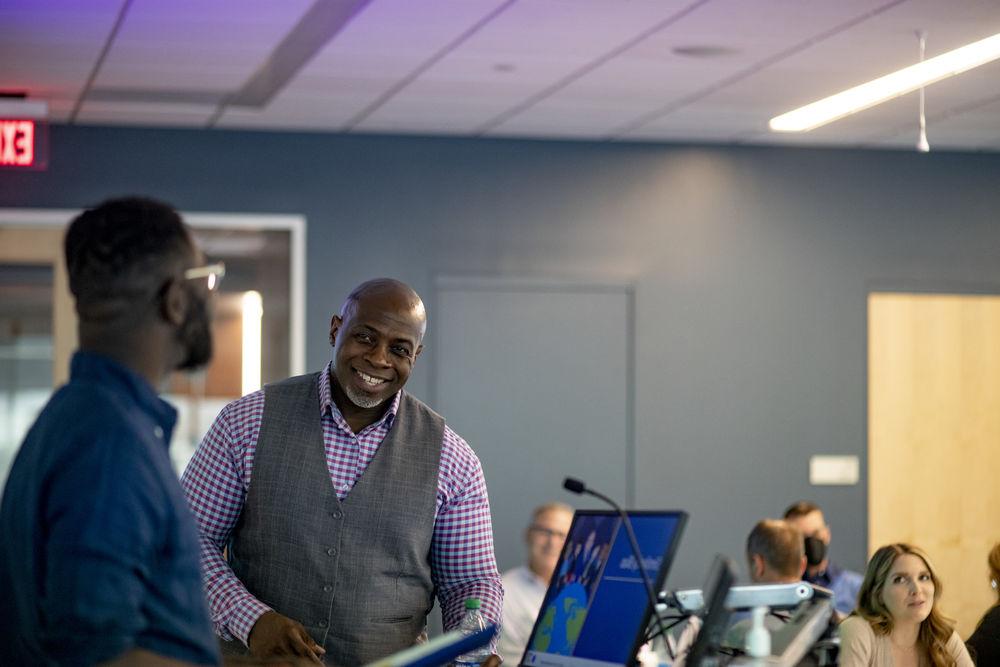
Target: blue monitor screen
x,y
595,610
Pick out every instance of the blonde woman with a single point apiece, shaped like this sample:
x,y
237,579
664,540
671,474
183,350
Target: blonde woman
x,y
984,644
897,622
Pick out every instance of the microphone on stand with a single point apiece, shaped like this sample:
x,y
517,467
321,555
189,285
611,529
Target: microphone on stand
x,y
577,486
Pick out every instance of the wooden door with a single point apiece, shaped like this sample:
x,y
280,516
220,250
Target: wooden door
x,y
934,436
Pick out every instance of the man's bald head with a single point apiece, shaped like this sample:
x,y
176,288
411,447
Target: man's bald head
x,y
775,552
391,291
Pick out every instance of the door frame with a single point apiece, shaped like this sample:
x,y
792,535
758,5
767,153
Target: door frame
x,y
64,326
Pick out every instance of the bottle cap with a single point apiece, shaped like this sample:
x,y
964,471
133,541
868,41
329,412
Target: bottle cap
x,y
472,603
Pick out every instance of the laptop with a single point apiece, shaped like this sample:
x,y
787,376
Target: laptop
x,y
596,611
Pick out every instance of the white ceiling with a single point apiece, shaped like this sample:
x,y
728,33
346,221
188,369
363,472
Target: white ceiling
x,y
573,69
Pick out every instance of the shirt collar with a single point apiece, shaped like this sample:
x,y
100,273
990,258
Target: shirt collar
x,y
94,367
326,401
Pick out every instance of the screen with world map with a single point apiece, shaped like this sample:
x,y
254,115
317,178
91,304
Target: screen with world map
x,y
595,610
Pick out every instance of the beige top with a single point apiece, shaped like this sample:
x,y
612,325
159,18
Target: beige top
x,y
861,647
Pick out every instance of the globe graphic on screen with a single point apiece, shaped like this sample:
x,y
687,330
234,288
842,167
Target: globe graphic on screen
x,y
562,621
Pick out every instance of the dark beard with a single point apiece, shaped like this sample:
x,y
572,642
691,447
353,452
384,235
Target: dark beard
x,y
195,336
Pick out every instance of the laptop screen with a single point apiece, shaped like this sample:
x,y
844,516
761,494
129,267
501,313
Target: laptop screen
x,y
595,610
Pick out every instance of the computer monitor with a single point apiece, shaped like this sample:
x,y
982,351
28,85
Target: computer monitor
x,y
596,609
721,575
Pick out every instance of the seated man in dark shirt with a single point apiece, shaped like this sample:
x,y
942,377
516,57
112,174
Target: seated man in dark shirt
x,y
98,550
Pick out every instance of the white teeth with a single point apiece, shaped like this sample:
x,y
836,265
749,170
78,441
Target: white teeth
x,y
371,381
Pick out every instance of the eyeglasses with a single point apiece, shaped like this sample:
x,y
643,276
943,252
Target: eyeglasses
x,y
547,532
214,273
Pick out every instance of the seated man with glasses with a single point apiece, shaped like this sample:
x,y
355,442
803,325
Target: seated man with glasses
x,y
525,586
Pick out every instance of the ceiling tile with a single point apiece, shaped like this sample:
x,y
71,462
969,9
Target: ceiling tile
x,y
49,48
204,44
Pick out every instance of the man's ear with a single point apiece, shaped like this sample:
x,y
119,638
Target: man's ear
x,y
335,323
420,348
173,304
756,566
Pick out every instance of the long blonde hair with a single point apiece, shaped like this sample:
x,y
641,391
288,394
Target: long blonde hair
x,y
935,630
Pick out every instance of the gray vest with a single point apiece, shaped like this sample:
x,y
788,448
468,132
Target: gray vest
x,y
355,573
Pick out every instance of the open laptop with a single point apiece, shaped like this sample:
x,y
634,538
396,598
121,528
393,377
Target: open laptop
x,y
596,610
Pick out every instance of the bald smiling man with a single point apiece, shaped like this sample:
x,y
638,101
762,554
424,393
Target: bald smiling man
x,y
333,505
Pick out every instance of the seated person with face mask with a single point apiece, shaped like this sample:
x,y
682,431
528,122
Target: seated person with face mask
x,y
845,584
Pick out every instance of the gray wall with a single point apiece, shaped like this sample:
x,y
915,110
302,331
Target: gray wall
x,y
751,268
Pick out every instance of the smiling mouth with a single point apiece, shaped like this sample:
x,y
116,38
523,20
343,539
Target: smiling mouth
x,y
370,380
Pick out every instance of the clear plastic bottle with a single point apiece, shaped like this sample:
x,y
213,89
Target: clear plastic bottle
x,y
758,639
473,621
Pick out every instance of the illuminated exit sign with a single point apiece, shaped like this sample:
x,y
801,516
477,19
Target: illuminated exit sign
x,y
22,144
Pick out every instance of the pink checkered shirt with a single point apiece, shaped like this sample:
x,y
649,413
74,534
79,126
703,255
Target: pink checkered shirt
x,y
216,480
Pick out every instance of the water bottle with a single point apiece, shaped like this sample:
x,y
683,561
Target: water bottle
x,y
472,622
758,639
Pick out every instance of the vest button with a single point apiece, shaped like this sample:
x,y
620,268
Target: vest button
x,y
327,588
323,624
331,552
338,514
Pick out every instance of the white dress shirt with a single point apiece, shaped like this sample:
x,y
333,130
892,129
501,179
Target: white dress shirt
x,y
523,596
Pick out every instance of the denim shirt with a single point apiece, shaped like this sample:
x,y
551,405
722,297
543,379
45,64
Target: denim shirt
x,y
845,585
98,550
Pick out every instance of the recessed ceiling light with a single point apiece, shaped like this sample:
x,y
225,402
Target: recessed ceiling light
x,y
888,87
703,51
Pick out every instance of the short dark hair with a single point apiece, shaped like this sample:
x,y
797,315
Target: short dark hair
x,y
780,544
120,251
801,508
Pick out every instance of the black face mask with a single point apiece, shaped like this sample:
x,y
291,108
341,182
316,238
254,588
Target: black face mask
x,y
815,551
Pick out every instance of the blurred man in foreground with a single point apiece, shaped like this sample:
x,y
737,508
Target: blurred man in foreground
x,y
98,550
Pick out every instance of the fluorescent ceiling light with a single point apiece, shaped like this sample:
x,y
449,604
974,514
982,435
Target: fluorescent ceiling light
x,y
888,87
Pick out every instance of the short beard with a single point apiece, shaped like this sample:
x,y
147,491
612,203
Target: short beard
x,y
195,337
361,400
